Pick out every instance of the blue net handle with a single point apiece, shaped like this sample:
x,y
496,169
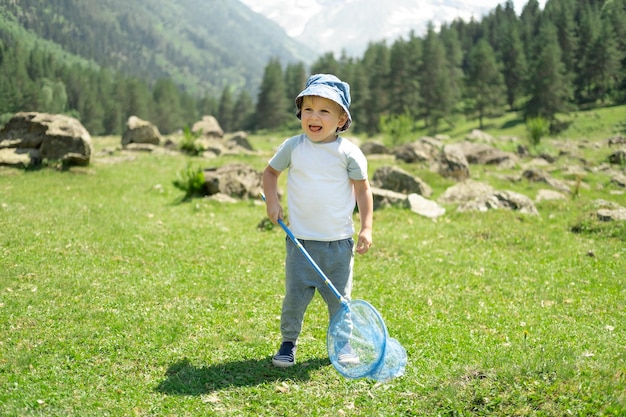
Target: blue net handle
x,y
304,252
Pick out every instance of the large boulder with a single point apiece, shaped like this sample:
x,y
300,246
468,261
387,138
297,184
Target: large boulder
x,y
537,175
506,199
140,132
453,164
425,207
423,150
396,179
234,180
416,203
373,147
43,136
208,126
465,191
618,157
608,211
479,153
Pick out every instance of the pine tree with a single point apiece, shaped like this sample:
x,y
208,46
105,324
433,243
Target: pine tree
x,y
589,31
401,88
614,13
561,13
360,93
225,110
295,79
167,106
271,108
529,28
207,106
243,111
454,86
434,81
510,52
548,87
326,64
605,59
376,60
135,98
485,83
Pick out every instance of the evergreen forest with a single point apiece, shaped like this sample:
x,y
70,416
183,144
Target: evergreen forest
x,y
542,63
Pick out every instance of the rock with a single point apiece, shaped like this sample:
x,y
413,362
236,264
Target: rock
x,y
208,126
616,140
478,153
425,149
618,157
619,180
424,206
239,140
453,164
387,198
464,192
374,148
478,135
396,179
509,200
608,215
536,175
43,136
16,157
549,195
234,180
140,132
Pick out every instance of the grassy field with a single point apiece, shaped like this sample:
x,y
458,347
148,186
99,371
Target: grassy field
x,y
116,299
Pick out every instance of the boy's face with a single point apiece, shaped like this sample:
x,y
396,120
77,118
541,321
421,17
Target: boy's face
x,y
321,118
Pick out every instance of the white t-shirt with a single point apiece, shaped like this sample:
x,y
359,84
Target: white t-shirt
x,y
320,196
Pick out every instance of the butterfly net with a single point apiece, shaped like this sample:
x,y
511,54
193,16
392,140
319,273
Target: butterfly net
x,y
359,346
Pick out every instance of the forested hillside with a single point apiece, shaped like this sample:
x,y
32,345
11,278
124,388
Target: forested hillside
x,y
540,64
202,46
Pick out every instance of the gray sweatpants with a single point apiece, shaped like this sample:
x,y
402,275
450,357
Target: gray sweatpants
x,y
335,259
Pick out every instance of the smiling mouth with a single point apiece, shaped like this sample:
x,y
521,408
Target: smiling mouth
x,y
315,128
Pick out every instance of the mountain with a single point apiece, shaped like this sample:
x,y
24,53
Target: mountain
x,y
349,25
202,46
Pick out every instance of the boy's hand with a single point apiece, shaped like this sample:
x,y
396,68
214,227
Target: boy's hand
x,y
364,241
274,212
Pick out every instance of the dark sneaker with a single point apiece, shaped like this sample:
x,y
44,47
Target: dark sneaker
x,y
286,355
347,356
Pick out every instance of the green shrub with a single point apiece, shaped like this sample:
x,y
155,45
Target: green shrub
x,y
396,128
537,128
191,181
189,143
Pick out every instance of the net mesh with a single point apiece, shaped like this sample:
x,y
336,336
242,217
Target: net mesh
x,y
359,346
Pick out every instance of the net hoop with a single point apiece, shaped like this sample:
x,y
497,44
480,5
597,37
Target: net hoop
x,y
359,324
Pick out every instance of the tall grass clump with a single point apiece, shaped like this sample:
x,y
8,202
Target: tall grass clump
x,y
189,142
536,128
191,181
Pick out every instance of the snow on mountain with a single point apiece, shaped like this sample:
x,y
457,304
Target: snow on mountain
x,y
349,25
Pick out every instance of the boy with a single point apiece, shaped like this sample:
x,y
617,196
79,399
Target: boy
x,y
327,177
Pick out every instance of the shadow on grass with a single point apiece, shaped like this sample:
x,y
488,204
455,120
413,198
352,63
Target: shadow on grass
x,y
512,123
183,378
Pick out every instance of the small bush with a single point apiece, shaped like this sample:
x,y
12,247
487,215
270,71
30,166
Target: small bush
x,y
191,181
537,128
396,128
189,145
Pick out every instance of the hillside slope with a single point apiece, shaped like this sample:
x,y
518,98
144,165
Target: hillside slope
x,y
202,46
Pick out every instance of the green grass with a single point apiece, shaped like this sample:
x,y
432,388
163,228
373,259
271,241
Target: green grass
x,y
117,299
597,124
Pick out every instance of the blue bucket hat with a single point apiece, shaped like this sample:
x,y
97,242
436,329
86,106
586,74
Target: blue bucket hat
x,y
330,87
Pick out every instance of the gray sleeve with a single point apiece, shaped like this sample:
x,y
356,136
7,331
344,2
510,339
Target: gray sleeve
x,y
282,158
